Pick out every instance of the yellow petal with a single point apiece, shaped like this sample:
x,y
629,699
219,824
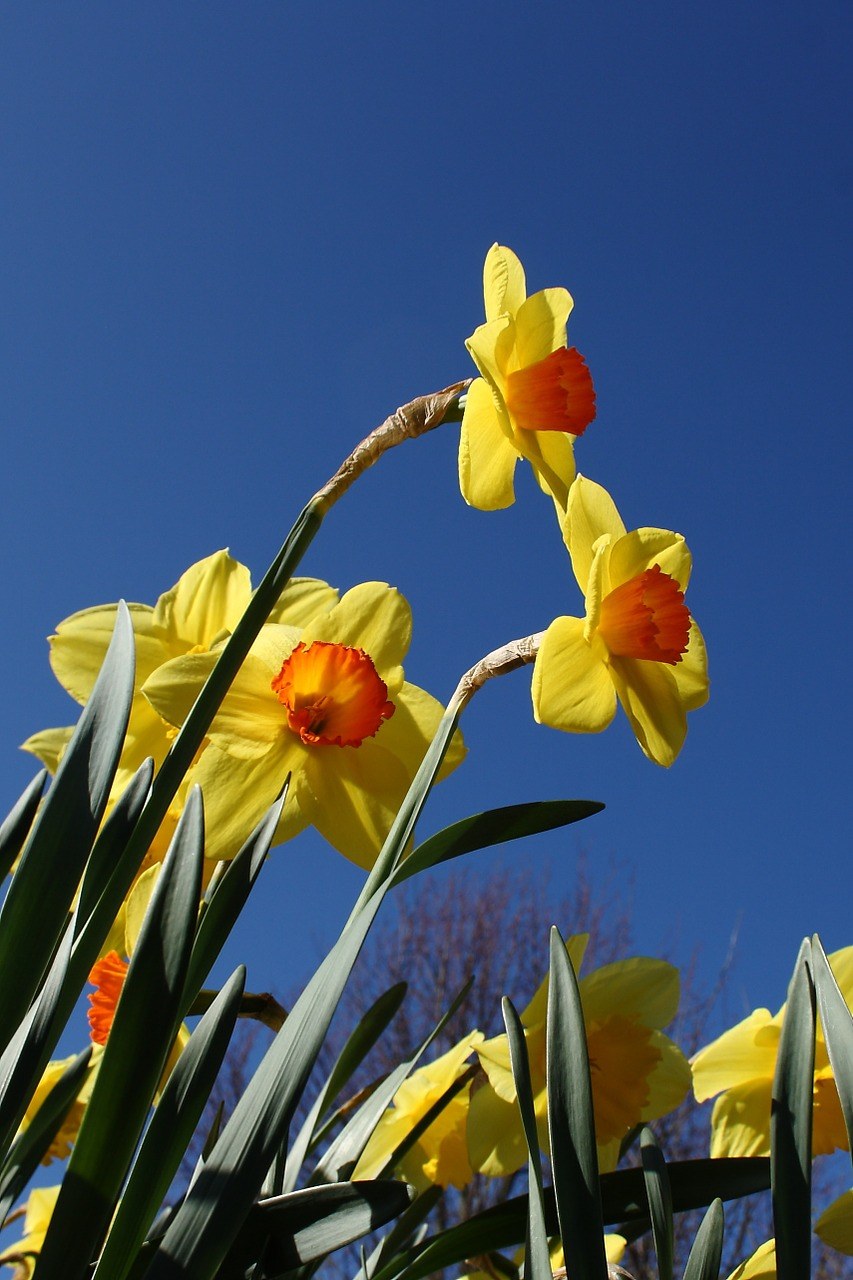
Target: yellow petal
x,y
649,694
250,718
691,673
552,457
207,599
642,987
487,456
491,347
302,600
412,727
351,795
572,689
496,1143
504,287
136,906
736,1057
373,617
642,548
740,1121
537,1010
669,1082
761,1265
79,646
835,1224
237,794
48,745
591,512
540,325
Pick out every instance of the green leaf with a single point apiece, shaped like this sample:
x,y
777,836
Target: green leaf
x,y
171,1127
343,1154
495,826
405,1229
537,1260
358,1045
108,876
707,1251
659,1197
837,1030
143,1032
55,853
32,1145
306,1225
791,1126
574,1158
207,1222
16,826
694,1183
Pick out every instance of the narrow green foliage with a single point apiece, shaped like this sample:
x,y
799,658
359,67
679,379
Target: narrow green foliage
x,y
707,1251
537,1262
143,1032
659,1197
408,1226
33,1144
837,1025
571,1127
791,1126
61,838
495,826
16,827
172,1125
99,892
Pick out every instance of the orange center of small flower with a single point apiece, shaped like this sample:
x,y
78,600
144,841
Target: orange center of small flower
x,y
646,618
108,976
554,394
333,695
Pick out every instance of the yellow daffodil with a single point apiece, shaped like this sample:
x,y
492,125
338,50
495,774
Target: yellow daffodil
x,y
22,1256
326,703
535,396
614,1248
440,1156
66,1135
760,1266
638,1074
201,609
638,642
835,1224
740,1065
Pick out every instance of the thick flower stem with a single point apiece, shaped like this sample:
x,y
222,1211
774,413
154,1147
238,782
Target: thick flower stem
x,y
511,656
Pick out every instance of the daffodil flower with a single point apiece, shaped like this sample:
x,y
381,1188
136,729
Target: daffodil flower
x,y
637,1073
761,1265
326,703
535,396
740,1066
638,642
66,1135
23,1255
440,1156
835,1224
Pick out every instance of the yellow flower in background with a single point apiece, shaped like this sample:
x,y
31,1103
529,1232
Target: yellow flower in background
x,y
201,609
760,1266
740,1065
614,1248
66,1135
22,1255
326,703
637,1073
535,396
638,642
835,1224
440,1156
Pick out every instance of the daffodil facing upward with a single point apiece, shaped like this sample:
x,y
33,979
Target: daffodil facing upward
x,y
326,703
740,1066
637,1073
638,642
535,396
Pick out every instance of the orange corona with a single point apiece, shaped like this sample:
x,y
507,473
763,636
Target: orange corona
x,y
554,394
646,617
108,976
333,695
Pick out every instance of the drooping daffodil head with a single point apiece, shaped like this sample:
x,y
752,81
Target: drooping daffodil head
x,y
328,705
638,1074
440,1155
638,643
740,1065
535,395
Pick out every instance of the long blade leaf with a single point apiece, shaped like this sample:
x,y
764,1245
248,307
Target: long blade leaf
x,y
707,1251
659,1197
537,1262
791,1126
16,827
837,1024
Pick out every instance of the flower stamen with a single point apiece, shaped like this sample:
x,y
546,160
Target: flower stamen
x,y
554,394
646,617
333,694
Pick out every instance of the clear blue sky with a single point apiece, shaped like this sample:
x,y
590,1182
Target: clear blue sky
x,y
234,237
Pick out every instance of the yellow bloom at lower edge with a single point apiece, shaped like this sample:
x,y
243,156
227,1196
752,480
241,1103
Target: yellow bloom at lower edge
x,y
760,1266
835,1224
22,1255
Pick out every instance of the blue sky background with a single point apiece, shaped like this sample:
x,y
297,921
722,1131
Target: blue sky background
x,y
234,237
